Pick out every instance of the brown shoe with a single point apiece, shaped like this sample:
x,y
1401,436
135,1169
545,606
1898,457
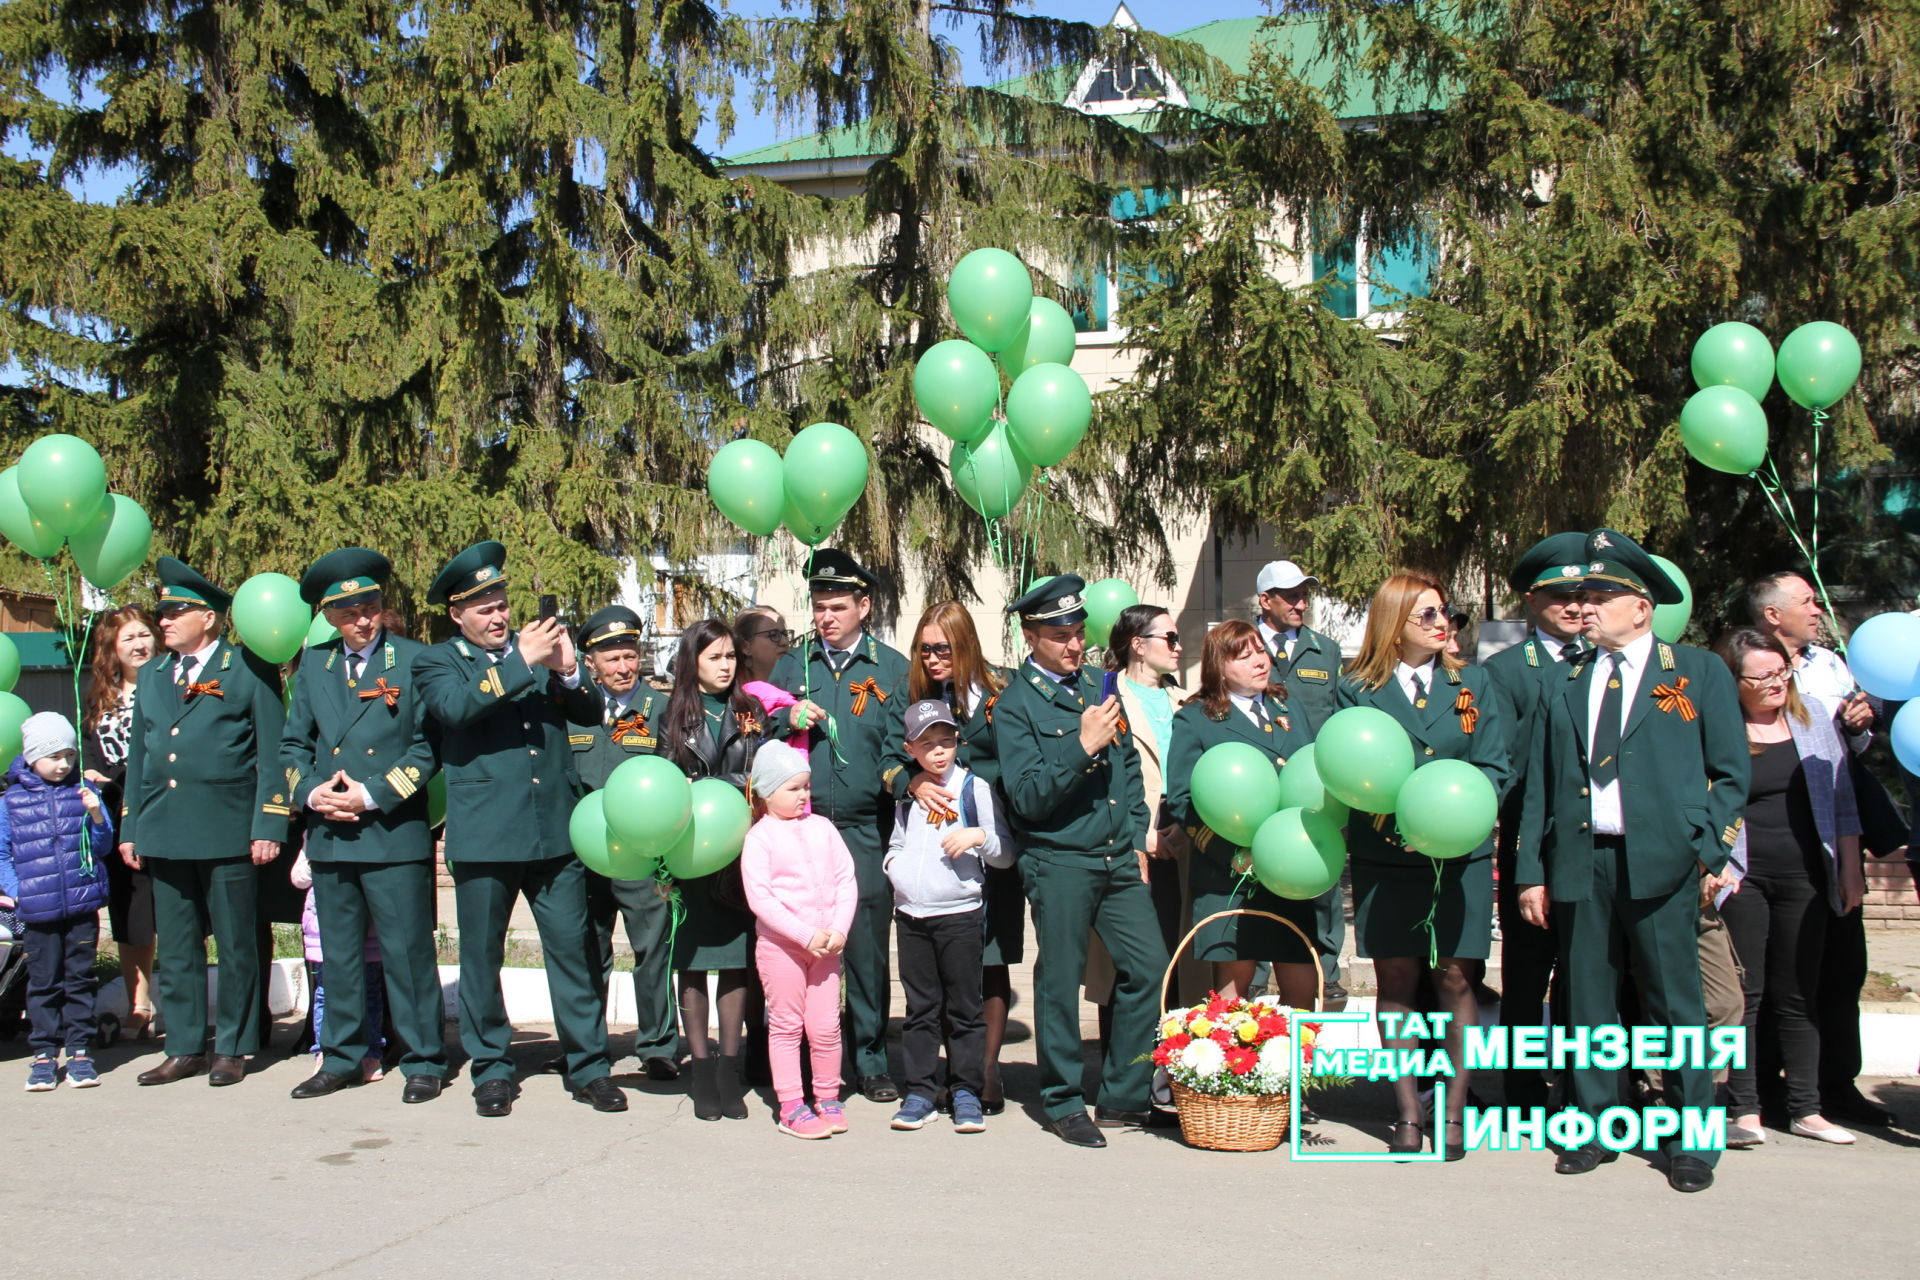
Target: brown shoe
x,y
177,1067
226,1070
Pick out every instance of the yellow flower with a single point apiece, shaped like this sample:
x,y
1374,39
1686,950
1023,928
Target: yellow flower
x,y
1201,1027
1248,1031
1170,1028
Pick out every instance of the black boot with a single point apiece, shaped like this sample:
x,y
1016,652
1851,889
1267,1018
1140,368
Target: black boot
x,y
733,1088
759,1066
703,1089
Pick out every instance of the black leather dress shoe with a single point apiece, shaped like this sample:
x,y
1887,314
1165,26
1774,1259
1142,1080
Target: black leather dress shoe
x,y
423,1088
1689,1173
1078,1129
178,1067
879,1089
322,1083
1151,1118
224,1069
1584,1160
493,1098
661,1068
603,1093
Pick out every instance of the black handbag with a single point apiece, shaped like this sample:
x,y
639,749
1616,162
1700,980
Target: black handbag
x,y
1883,827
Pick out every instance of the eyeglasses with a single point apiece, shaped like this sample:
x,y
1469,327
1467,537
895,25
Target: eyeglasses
x,y
1769,680
1171,637
778,637
941,650
1430,616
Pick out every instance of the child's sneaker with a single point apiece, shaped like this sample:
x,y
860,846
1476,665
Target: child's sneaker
x,y
371,1070
81,1073
967,1116
797,1119
44,1075
833,1114
915,1113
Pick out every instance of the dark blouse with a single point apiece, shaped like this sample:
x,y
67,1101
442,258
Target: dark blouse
x,y
1782,837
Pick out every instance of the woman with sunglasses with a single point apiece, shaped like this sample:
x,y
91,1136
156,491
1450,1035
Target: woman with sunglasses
x,y
946,663
763,638
1412,912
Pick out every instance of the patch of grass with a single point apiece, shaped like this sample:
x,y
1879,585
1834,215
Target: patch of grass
x,y
1881,988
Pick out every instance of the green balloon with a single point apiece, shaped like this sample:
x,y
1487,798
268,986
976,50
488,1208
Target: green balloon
x,y
748,483
1363,757
9,663
21,526
1446,809
13,713
1235,788
587,829
63,481
1106,600
721,817
270,616
1299,854
826,470
1048,412
437,799
628,861
320,631
990,474
649,801
1046,338
1817,364
990,295
114,543
1301,787
804,529
957,387
1734,355
1724,428
1670,620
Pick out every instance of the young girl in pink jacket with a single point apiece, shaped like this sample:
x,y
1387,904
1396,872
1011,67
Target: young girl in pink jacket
x,y
799,882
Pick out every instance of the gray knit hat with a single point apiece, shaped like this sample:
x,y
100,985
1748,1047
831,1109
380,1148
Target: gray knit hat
x,y
773,764
46,734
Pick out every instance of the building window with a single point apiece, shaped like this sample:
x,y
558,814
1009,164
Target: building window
x,y
1106,290
1379,294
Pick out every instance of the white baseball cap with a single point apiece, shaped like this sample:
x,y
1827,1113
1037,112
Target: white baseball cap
x,y
1281,575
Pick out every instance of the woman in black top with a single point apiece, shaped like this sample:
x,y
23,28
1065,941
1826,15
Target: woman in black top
x,y
123,640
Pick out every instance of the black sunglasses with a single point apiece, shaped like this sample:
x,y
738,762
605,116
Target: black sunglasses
x,y
1430,615
1171,637
941,650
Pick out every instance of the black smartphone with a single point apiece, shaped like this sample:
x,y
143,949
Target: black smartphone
x,y
549,607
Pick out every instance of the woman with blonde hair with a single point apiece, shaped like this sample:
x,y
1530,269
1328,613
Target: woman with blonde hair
x,y
1412,912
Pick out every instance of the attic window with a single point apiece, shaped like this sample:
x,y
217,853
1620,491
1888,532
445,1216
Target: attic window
x,y
1134,82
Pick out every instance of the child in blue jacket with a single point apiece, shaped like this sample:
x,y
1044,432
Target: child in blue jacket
x,y
54,842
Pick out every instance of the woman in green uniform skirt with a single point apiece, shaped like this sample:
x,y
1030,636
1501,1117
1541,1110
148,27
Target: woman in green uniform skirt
x,y
945,662
1412,912
1233,705
712,730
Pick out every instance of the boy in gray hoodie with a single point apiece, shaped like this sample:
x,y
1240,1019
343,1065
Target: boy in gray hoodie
x,y
937,865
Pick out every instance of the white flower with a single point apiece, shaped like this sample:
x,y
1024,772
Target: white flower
x,y
1204,1058
1276,1056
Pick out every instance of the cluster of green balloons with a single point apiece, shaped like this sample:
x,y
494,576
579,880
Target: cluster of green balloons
x,y
810,490
13,708
58,493
1105,601
957,383
1444,808
1722,425
1282,815
649,805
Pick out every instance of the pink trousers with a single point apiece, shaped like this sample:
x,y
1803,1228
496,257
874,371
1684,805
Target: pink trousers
x,y
803,994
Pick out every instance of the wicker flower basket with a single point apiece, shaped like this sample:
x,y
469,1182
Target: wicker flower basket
x,y
1239,1121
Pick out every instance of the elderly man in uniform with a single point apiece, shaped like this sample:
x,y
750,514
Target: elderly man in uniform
x,y
1634,794
628,727
205,804
358,755
504,742
1072,775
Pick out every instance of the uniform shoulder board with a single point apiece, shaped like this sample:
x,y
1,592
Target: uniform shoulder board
x,y
1533,654
1666,656
1453,677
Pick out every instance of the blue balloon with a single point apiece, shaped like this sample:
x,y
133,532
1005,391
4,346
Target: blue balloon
x,y
1906,737
1885,656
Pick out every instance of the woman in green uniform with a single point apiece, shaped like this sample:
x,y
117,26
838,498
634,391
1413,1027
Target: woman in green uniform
x,y
1412,912
1233,705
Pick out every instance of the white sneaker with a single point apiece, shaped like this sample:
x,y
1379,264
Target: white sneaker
x,y
1832,1133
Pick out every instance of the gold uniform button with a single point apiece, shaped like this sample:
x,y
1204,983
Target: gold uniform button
x,y
173,782
369,750
536,782
1584,791
174,732
533,751
526,724
1429,750
1583,826
171,757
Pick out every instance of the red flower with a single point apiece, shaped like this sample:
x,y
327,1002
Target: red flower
x,y
1222,1037
1274,1024
1217,1004
1241,1061
1162,1056
1171,1047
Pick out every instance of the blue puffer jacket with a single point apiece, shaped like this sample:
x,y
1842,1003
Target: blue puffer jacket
x,y
40,864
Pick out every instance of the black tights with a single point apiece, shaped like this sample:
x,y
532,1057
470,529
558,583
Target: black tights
x,y
732,999
996,995
1398,978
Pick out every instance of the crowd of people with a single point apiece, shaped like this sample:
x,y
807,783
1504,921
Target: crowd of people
x,y
1680,841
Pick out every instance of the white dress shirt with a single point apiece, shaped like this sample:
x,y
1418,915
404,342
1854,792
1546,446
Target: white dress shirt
x,y
1281,642
1628,665
366,664
199,659
1426,672
1553,646
1250,707
1819,672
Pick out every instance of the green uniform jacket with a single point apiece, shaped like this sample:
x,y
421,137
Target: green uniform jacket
x,y
599,749
203,773
1195,730
857,781
503,743
381,740
1072,808
1521,675
1683,782
1438,734
1312,679
978,752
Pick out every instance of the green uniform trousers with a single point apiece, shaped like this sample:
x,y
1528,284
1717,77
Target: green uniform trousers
x,y
1114,902
1657,939
649,920
556,889
191,895
866,965
397,900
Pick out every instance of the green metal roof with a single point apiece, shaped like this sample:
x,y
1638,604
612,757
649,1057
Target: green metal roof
x,y
41,650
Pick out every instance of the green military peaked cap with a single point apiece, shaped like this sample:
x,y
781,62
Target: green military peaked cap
x,y
1557,563
182,587
1057,602
1616,562
831,570
479,569
614,625
347,576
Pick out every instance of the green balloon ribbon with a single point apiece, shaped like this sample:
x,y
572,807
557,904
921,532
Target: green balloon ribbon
x,y
1433,908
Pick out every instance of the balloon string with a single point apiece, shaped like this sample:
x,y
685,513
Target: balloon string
x,y
1813,534
1782,504
676,913
1433,909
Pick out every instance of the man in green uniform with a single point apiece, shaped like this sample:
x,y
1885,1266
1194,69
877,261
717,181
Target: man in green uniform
x,y
846,674
1307,663
1071,772
610,645
358,756
503,739
1634,795
1549,580
205,804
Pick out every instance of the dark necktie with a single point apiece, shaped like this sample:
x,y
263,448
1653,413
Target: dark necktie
x,y
185,677
1571,651
1606,734
838,658
1260,716
1419,692
613,711
354,662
